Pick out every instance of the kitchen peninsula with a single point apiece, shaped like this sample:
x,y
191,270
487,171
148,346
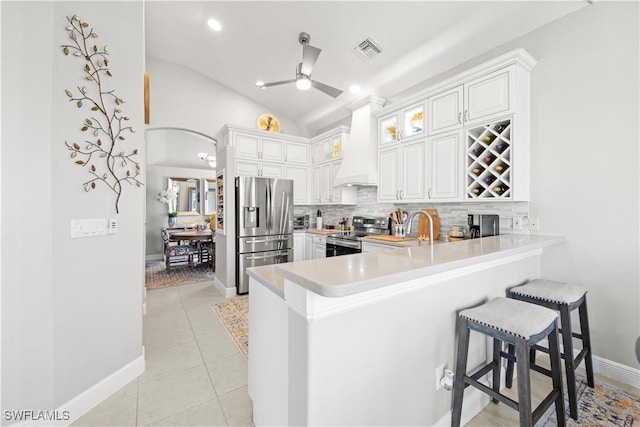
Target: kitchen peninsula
x,y
356,340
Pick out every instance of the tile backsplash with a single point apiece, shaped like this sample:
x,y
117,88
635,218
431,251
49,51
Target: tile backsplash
x,y
454,213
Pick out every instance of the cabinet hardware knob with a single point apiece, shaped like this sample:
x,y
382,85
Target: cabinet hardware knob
x,y
460,117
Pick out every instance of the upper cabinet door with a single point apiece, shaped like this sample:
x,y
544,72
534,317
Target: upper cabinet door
x,y
272,149
247,146
388,129
446,111
413,121
296,152
487,96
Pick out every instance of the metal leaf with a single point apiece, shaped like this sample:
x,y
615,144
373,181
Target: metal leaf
x,y
118,110
128,173
84,89
103,154
94,35
93,185
84,128
76,146
133,130
109,73
121,138
93,168
135,151
95,48
86,67
89,122
73,36
66,50
88,146
118,101
138,184
85,24
86,187
124,163
106,49
74,154
94,108
68,92
79,162
138,167
121,153
69,28
79,104
126,118
99,142
89,78
77,53
106,62
104,175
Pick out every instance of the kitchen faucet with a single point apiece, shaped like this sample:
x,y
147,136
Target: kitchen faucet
x,y
425,213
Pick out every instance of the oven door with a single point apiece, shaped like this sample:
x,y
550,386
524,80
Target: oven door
x,y
337,247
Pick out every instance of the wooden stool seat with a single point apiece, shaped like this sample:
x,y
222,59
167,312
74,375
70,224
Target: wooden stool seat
x,y
563,298
521,325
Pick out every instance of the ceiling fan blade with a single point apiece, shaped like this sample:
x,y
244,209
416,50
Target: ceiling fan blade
x,y
309,57
331,91
282,82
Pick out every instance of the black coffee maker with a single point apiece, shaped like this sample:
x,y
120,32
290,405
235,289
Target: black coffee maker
x,y
482,225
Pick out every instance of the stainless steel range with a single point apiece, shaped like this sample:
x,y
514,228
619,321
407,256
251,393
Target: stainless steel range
x,y
345,243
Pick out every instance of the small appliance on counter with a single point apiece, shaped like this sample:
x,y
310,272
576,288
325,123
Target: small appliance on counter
x,y
300,222
482,225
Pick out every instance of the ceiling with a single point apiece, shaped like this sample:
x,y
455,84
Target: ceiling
x,y
259,41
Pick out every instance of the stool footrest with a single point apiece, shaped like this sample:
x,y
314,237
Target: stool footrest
x,y
482,371
540,369
544,405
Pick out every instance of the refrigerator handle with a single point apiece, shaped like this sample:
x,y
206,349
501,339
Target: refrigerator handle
x,y
269,205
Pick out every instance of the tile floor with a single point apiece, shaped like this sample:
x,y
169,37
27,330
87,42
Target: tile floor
x,y
195,376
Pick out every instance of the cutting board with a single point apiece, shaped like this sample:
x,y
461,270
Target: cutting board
x,y
386,238
423,224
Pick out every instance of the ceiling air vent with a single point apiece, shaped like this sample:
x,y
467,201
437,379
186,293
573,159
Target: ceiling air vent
x,y
367,49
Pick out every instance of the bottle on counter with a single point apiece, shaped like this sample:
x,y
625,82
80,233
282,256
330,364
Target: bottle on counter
x,y
319,220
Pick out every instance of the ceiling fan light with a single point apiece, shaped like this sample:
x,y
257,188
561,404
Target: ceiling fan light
x,y
303,83
259,83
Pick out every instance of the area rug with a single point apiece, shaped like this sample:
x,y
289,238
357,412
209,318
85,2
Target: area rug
x,y
234,316
156,276
604,405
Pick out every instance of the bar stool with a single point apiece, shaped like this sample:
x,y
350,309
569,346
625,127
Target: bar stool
x,y
564,298
519,324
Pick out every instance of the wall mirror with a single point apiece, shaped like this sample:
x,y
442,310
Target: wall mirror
x,y
209,186
188,199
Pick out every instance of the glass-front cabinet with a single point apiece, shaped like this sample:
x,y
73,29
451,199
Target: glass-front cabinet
x,y
404,124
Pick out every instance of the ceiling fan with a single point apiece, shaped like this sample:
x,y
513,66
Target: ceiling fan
x,y
303,70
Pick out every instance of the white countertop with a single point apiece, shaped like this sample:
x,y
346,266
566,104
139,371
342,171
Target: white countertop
x,y
351,274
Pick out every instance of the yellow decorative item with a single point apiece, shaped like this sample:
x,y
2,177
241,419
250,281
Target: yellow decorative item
x,y
268,122
212,222
392,132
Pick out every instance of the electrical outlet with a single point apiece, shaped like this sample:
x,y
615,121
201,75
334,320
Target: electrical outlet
x,y
439,375
534,224
517,223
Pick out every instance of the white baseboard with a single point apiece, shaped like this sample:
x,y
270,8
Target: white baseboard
x,y
616,371
92,397
227,292
474,401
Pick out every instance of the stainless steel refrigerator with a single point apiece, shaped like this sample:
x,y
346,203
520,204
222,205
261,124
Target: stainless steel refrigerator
x,y
264,224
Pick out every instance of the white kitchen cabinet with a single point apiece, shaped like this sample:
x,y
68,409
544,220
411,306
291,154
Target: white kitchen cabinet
x,y
328,146
319,249
263,169
402,172
258,147
308,246
445,163
300,177
483,98
298,246
323,189
296,152
403,124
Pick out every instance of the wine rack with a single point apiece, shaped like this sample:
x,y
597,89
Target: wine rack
x,y
488,161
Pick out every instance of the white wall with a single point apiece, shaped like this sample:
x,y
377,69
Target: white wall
x,y
180,97
70,319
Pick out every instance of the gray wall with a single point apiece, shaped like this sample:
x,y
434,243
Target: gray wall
x,y
69,317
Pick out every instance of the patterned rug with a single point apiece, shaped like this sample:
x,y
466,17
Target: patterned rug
x,y
604,405
156,276
234,316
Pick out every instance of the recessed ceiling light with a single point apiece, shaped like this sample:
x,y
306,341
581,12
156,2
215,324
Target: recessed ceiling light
x,y
354,89
214,24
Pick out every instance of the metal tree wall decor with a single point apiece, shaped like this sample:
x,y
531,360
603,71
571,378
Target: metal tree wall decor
x,y
104,120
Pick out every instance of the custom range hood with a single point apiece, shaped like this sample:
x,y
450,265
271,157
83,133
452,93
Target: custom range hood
x,y
360,154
